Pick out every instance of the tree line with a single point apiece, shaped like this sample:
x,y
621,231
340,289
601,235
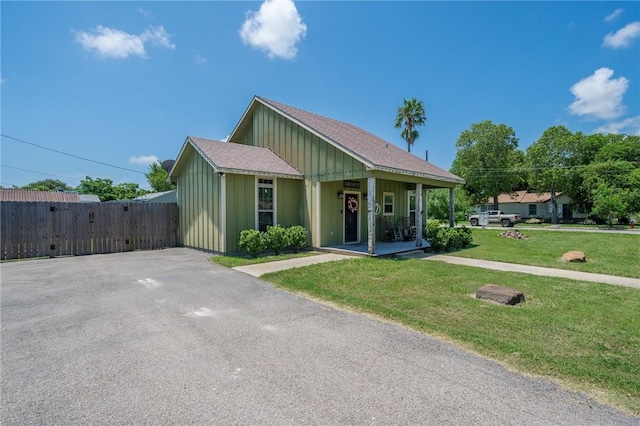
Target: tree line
x,y
599,172
105,188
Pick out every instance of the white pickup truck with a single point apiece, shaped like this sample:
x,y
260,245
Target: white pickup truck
x,y
496,216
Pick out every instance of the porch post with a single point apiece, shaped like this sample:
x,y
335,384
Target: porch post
x,y
371,215
318,214
451,210
419,215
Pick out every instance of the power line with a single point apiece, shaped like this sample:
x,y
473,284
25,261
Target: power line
x,y
40,173
70,155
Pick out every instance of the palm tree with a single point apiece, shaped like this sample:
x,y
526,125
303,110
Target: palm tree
x,y
411,114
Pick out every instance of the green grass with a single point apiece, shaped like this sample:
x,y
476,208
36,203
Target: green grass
x,y
585,335
242,260
613,254
548,224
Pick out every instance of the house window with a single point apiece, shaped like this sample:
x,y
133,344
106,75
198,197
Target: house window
x,y
533,210
265,204
387,200
412,207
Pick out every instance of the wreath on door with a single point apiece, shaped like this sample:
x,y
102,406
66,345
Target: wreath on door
x,y
352,204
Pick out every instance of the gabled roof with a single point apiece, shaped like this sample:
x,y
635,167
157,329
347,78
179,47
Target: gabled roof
x,y
227,157
28,195
374,152
522,197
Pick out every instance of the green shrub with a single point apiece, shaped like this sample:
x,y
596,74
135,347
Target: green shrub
x,y
445,239
587,222
276,238
296,237
253,241
431,228
465,236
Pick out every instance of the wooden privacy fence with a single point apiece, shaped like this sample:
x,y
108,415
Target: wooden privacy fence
x,y
61,229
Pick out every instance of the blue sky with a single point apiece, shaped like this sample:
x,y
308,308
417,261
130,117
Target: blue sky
x,y
125,82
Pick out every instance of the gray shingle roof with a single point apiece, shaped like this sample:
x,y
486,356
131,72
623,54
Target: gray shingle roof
x,y
236,158
368,148
28,195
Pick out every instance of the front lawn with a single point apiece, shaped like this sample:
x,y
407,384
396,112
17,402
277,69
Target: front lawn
x,y
585,335
613,254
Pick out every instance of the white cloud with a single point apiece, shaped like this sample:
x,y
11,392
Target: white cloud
x,y
276,28
629,126
145,13
613,15
200,59
144,160
623,37
158,36
113,43
599,95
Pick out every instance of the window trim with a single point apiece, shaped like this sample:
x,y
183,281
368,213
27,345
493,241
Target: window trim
x,y
274,210
384,203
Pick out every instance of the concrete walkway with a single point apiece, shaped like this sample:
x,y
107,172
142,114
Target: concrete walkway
x,y
260,269
279,265
537,270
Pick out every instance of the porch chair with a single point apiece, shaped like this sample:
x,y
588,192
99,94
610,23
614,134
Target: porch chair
x,y
390,233
408,229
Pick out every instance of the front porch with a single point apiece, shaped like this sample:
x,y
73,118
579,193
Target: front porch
x,y
383,248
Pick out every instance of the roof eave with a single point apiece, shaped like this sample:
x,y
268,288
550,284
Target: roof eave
x,y
259,173
416,174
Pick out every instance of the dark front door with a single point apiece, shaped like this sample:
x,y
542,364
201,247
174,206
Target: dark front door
x,y
566,212
351,207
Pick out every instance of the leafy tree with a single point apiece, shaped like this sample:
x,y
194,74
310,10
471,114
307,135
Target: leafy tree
x,y
410,115
157,178
616,165
488,159
106,191
48,185
438,206
548,163
610,202
620,148
103,188
128,191
584,149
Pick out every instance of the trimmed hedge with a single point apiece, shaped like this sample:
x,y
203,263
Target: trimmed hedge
x,y
446,239
276,239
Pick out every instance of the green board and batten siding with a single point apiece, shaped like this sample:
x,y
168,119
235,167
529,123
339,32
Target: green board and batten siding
x,y
198,200
241,207
315,158
320,161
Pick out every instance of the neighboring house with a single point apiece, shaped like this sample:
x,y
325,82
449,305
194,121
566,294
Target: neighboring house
x,y
28,195
282,165
89,198
532,205
158,197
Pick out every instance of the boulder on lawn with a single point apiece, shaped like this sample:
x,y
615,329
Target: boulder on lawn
x,y
500,294
574,256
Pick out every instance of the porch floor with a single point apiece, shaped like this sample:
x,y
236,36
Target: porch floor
x,y
382,248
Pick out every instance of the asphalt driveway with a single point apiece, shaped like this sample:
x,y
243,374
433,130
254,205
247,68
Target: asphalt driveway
x,y
166,337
